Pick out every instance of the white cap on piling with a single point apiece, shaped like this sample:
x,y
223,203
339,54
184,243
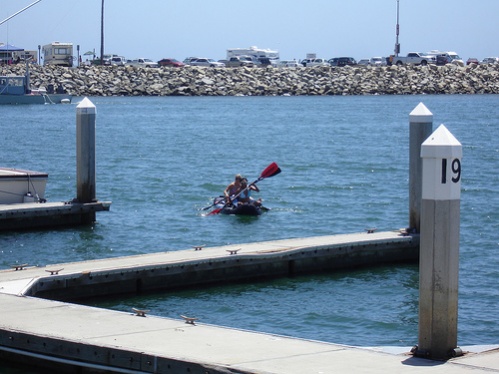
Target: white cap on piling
x,y
85,107
441,144
441,154
421,114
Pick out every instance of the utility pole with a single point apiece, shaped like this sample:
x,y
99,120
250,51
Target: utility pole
x,y
397,44
102,34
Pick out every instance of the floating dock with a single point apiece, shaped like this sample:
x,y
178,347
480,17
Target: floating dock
x,y
28,216
64,335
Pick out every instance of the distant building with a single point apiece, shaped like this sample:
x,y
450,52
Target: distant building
x,y
27,55
7,53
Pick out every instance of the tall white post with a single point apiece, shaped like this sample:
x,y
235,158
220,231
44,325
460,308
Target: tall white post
x,y
85,151
420,128
439,244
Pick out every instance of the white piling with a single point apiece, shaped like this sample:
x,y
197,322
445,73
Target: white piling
x,y
420,128
439,244
85,151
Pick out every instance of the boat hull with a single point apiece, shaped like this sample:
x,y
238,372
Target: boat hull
x,y
238,210
59,99
242,210
34,99
19,186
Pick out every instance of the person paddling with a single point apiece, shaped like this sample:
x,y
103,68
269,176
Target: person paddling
x,y
232,189
245,192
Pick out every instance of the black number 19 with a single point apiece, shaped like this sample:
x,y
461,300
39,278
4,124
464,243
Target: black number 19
x,y
456,170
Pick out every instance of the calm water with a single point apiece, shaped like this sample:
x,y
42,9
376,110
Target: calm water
x,y
344,167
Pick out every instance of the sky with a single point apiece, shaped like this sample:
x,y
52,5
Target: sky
x,y
178,29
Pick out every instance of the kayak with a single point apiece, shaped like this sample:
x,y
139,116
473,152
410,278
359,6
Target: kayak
x,y
247,209
242,210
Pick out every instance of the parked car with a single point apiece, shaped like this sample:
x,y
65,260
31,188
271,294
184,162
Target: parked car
x,y
98,61
188,60
289,64
143,62
453,56
309,62
265,62
472,60
249,59
118,61
238,61
416,58
364,61
342,61
318,62
443,60
170,62
490,60
209,62
456,59
377,61
305,61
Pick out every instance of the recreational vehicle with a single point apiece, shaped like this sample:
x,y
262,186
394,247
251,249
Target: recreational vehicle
x,y
58,54
256,53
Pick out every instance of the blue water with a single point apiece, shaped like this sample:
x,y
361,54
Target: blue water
x,y
344,164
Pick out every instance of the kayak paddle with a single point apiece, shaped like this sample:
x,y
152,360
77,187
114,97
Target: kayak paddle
x,y
216,201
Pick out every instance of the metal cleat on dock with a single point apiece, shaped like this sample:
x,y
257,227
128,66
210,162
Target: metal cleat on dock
x,y
17,267
54,271
370,230
140,312
407,231
233,251
189,320
199,247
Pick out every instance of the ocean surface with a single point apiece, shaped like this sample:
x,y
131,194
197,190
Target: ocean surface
x,y
344,162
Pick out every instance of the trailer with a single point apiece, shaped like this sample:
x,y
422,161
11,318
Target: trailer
x,y
58,53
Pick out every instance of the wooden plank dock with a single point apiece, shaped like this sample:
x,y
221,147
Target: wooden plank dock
x,y
69,335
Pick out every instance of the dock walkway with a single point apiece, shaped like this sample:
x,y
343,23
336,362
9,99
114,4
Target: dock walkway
x,y
126,342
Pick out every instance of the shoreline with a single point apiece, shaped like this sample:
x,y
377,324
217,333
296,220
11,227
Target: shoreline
x,y
315,81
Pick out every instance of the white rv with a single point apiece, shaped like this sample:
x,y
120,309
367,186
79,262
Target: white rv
x,y
57,53
256,53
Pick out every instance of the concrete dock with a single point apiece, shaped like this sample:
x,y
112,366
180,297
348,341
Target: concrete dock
x,y
75,336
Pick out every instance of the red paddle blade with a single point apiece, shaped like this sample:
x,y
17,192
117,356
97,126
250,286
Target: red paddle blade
x,y
276,172
270,171
216,211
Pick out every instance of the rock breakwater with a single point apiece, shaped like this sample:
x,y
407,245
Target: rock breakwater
x,y
201,81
